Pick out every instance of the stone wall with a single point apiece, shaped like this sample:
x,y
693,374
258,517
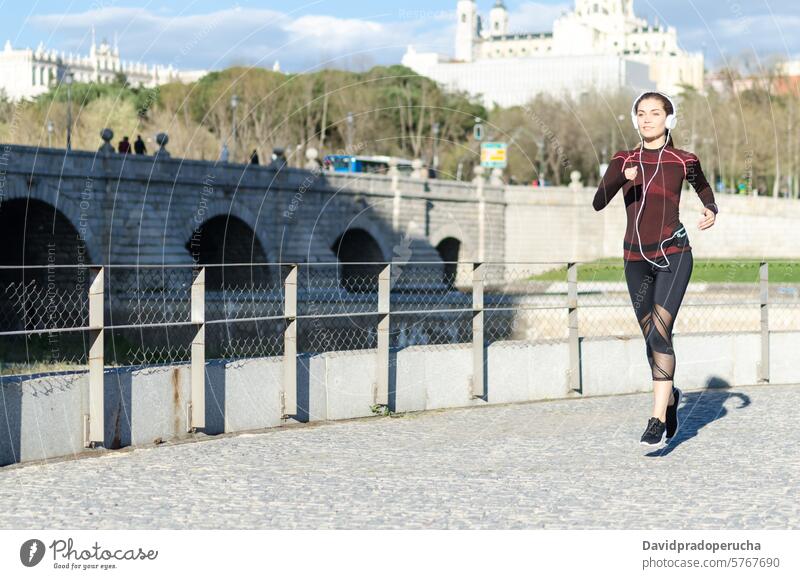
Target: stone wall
x,y
559,224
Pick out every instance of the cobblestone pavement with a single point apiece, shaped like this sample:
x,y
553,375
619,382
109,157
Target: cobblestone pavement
x,y
554,464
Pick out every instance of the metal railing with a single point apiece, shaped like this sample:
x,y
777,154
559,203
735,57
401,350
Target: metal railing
x,y
191,313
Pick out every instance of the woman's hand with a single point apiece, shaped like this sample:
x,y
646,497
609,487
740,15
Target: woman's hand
x,y
630,173
709,217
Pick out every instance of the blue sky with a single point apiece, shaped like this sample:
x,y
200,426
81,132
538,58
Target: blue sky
x,y
358,34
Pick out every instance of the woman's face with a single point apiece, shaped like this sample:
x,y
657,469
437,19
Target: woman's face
x,y
651,117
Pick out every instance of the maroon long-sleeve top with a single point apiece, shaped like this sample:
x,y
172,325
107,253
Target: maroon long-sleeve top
x,y
659,219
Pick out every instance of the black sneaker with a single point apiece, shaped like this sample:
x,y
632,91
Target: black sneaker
x,y
672,414
654,433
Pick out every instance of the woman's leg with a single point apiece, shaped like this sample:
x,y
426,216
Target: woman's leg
x,y
670,287
640,278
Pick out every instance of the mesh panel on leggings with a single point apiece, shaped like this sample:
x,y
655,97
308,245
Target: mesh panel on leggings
x,y
660,354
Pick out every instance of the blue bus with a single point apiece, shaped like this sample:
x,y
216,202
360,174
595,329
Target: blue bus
x,y
364,164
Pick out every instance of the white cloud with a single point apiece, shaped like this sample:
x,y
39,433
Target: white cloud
x,y
766,35
259,36
235,35
759,25
730,27
339,36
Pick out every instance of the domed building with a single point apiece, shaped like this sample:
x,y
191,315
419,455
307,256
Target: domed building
x,y
600,44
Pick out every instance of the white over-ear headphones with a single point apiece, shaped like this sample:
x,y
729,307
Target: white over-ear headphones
x,y
672,119
670,123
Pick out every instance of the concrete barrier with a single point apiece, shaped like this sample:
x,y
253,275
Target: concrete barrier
x,y
41,416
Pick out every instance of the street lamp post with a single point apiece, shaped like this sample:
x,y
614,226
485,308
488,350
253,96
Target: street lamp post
x,y
436,148
708,142
603,163
620,118
234,104
540,145
50,128
68,81
477,134
349,133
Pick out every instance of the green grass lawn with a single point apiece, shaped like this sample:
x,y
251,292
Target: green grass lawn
x,y
709,271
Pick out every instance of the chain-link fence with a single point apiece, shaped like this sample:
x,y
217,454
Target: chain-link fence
x,y
54,318
43,312
148,310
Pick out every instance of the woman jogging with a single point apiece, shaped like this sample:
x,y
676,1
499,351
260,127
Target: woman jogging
x,y
656,253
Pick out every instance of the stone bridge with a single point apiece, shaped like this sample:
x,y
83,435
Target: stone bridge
x,y
86,207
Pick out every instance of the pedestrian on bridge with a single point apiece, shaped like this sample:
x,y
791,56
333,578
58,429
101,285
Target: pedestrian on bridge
x,y
138,146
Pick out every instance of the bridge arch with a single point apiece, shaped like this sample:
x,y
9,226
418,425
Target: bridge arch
x,y
76,213
358,245
224,208
450,243
375,231
466,250
448,249
33,232
227,239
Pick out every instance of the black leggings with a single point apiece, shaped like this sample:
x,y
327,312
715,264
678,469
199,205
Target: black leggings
x,y
656,294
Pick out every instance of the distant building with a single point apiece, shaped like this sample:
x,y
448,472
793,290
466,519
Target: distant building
x,y
601,44
788,78
26,73
782,80
724,81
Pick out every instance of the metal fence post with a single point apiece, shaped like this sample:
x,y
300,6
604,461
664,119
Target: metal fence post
x,y
478,273
574,343
396,195
763,374
94,435
289,392
382,365
481,217
197,402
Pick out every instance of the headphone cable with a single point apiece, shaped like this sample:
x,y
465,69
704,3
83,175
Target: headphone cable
x,y
645,187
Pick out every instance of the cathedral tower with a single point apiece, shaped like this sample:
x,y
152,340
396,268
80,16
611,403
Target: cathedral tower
x,y
466,30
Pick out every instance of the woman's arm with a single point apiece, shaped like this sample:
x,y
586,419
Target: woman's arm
x,y
696,178
612,180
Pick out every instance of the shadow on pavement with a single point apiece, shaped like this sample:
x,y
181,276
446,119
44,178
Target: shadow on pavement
x,y
698,409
